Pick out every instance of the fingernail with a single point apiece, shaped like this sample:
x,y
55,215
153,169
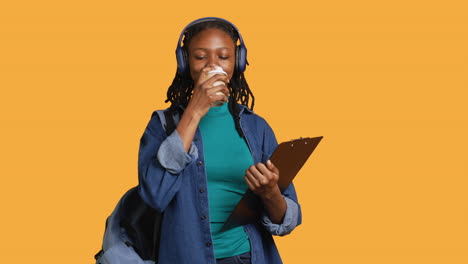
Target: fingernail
x,y
269,162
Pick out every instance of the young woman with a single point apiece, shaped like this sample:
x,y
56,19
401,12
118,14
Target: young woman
x,y
198,158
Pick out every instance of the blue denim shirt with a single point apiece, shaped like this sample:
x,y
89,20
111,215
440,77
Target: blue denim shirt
x,y
174,182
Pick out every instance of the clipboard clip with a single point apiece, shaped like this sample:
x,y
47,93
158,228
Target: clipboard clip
x,y
300,138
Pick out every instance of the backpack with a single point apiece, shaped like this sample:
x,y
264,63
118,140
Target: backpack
x,y
132,234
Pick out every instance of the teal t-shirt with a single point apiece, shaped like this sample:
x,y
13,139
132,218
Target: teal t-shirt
x,y
227,156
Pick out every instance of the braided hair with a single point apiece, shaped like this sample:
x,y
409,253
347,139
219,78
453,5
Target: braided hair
x,y
180,91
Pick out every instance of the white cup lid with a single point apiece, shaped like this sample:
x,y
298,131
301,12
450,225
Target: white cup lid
x,y
217,70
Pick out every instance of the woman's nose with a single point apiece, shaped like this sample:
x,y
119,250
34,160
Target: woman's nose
x,y
212,61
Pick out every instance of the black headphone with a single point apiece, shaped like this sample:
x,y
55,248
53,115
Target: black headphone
x,y
241,50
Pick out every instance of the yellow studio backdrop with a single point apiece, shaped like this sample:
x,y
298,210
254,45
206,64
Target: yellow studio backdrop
x,y
385,83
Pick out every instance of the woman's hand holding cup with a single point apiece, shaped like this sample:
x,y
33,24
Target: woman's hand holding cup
x,y
209,90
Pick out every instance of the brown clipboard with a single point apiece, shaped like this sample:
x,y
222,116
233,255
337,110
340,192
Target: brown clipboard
x,y
288,157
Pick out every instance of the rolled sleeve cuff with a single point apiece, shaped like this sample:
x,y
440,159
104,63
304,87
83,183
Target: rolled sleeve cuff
x,y
289,220
172,156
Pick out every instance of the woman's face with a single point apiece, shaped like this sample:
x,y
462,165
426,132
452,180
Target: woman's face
x,y
211,47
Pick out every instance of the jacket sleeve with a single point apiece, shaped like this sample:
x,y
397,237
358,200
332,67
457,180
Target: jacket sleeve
x,y
293,215
161,162
290,220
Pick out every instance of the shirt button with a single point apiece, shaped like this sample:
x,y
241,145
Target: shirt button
x,y
195,139
202,190
208,244
199,163
203,217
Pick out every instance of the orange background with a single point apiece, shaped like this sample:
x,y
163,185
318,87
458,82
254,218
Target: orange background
x,y
385,83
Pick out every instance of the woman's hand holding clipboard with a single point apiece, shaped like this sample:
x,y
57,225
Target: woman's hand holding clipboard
x,y
288,157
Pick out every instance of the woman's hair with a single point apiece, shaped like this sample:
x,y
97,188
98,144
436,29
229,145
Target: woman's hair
x,y
180,91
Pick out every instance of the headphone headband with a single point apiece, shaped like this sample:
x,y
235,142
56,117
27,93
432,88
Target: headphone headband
x,y
206,19
241,50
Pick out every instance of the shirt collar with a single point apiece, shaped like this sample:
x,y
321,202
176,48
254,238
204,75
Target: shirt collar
x,y
241,106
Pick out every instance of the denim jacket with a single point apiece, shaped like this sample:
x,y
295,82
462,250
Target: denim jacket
x,y
174,182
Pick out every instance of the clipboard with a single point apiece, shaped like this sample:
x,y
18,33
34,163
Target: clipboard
x,y
288,157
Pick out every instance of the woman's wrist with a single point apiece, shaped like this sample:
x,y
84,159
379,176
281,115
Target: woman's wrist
x,y
187,127
192,114
273,195
275,205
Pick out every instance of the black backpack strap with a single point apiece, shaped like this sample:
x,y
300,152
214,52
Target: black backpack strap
x,y
169,119
99,254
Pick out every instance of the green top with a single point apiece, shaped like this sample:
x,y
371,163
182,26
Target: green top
x,y
227,156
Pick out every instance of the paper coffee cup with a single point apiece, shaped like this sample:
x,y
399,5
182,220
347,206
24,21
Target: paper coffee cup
x,y
217,70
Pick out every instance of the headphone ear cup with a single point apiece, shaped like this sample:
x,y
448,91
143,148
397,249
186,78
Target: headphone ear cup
x,y
181,56
186,61
241,58
236,66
